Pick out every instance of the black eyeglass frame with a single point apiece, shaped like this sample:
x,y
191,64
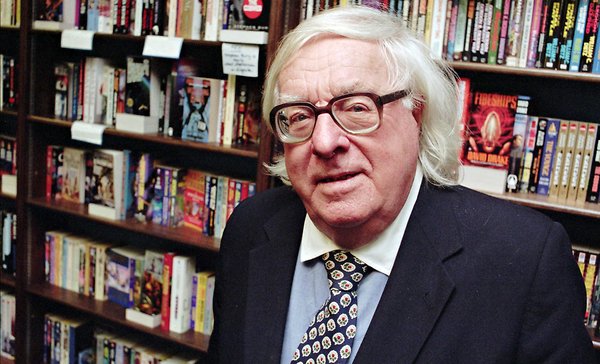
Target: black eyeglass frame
x,y
378,100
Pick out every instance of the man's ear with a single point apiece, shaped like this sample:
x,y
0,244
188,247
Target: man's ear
x,y
417,111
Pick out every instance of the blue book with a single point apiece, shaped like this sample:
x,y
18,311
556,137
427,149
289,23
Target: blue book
x,y
121,265
547,159
578,35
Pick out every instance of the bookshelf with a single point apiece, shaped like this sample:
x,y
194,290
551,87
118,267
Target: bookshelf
x,y
561,94
35,127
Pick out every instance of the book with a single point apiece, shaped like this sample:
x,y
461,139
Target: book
x,y
142,96
537,154
148,312
107,184
586,162
593,190
194,203
202,107
582,12
568,18
55,15
547,157
144,186
517,146
165,306
578,154
565,175
54,171
74,167
246,22
121,265
488,144
559,157
181,295
551,46
590,34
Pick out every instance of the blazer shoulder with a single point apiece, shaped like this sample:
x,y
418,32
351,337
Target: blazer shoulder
x,y
264,205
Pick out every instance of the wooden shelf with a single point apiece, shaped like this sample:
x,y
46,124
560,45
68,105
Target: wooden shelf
x,y
249,151
9,113
526,72
181,235
543,202
7,197
5,360
7,280
114,313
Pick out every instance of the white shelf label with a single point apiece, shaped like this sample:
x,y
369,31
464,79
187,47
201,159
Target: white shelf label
x,y
240,59
87,132
77,39
164,47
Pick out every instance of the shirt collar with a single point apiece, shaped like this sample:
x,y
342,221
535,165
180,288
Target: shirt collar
x,y
379,254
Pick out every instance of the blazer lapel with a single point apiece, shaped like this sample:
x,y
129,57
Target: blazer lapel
x,y
270,275
418,287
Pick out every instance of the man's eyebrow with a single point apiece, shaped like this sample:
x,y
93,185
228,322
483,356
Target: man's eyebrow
x,y
343,90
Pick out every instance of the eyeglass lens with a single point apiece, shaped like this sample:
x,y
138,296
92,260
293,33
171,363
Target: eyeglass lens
x,y
353,113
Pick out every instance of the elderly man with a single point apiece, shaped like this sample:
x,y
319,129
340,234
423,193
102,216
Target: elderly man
x,y
373,254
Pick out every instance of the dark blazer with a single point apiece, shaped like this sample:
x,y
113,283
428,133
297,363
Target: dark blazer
x,y
476,280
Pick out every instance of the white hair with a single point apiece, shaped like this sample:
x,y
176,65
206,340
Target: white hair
x,y
431,82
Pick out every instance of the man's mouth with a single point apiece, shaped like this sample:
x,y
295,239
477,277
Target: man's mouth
x,y
338,178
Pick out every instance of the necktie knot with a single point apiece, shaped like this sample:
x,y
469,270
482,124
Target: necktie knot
x,y
344,270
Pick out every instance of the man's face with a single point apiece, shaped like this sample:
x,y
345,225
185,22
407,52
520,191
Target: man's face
x,y
353,186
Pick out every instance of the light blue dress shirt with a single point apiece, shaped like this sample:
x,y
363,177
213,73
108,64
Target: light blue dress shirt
x,y
310,288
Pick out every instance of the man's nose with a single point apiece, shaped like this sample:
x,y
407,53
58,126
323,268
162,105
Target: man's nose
x,y
328,138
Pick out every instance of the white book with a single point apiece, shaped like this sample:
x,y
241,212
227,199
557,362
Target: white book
x,y
181,293
214,11
217,88
92,93
229,111
243,36
437,27
484,179
70,13
107,184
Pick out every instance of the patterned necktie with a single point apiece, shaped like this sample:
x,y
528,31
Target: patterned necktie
x,y
331,332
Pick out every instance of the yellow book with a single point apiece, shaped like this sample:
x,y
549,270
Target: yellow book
x,y
200,300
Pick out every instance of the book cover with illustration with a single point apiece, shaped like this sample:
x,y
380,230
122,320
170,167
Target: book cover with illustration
x,y
490,130
247,15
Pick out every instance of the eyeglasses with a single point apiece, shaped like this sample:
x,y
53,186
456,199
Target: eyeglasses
x,y
355,113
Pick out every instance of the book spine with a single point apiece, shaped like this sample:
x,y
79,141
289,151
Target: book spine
x,y
569,157
559,158
166,291
578,35
566,36
590,37
586,162
552,38
548,153
593,190
505,23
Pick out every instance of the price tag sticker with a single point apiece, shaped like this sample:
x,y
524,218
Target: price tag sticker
x,y
164,47
240,59
77,39
87,132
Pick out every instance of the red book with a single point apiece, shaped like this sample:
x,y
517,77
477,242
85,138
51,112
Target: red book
x,y
166,291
